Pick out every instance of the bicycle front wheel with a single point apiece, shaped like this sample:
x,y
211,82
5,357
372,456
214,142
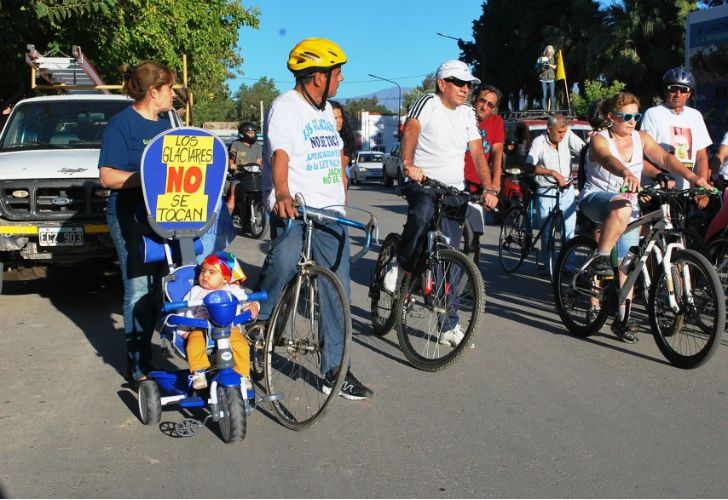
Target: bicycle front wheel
x,y
438,312
556,242
299,341
382,301
688,336
581,298
513,243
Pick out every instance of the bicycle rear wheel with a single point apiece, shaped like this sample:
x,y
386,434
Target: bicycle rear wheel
x,y
435,323
687,337
555,243
297,342
581,300
514,242
382,301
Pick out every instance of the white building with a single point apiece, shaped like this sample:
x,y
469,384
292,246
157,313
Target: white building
x,y
377,131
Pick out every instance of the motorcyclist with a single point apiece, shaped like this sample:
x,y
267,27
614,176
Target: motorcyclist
x,y
243,151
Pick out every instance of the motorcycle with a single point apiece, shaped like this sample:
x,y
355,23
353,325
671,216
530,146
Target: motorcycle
x,y
249,207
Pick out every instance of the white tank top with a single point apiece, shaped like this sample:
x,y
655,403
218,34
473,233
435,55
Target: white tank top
x,y
599,178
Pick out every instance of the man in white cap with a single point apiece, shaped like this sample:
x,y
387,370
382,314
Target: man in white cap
x,y
438,130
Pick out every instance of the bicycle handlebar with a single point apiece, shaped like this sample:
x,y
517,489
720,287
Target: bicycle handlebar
x,y
674,193
371,228
187,304
449,190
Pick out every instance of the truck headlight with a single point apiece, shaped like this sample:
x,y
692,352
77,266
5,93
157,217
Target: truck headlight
x,y
20,193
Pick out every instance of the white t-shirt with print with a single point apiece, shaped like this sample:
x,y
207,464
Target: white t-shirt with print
x,y
683,135
443,139
309,138
724,165
542,154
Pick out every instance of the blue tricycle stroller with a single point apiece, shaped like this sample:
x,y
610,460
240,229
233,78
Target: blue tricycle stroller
x,y
183,171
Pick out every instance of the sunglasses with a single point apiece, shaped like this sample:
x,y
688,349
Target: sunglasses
x,y
674,89
489,104
628,117
457,82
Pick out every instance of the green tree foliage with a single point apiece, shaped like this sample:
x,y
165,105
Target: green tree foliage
x,y
594,90
371,104
633,41
247,99
410,96
113,32
648,39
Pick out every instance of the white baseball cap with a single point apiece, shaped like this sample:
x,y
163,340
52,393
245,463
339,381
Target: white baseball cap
x,y
456,69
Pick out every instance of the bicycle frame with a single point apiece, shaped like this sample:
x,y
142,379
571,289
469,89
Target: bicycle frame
x,y
552,214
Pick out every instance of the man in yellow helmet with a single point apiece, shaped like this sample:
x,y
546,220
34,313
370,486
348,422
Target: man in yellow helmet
x,y
303,154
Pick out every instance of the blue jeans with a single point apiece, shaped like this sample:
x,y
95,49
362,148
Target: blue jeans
x,y
421,209
547,200
546,86
330,249
142,291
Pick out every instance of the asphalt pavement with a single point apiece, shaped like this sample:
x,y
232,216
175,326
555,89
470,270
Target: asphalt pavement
x,y
528,410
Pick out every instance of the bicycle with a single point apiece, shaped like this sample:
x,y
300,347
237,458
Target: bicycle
x,y
516,241
444,289
295,341
686,304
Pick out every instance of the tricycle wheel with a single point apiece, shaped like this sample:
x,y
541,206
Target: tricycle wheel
x,y
232,414
150,404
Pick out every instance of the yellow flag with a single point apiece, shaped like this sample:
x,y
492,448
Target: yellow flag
x,y
560,69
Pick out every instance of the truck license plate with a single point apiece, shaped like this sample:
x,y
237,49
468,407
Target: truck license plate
x,y
60,236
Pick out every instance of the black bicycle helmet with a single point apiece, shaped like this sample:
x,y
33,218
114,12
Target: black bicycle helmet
x,y
245,126
679,76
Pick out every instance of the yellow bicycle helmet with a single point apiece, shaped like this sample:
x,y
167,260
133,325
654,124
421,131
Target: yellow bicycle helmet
x,y
315,54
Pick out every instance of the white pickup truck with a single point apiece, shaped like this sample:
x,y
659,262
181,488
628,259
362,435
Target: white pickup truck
x,y
52,206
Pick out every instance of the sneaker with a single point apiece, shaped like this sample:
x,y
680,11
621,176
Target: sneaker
x,y
199,380
602,266
592,313
626,331
391,277
351,388
452,337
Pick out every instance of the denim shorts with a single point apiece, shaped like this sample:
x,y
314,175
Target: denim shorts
x,y
596,207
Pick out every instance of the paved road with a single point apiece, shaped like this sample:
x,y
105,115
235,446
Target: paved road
x,y
528,411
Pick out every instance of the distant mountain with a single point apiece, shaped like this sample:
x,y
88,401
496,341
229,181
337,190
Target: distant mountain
x,y
386,97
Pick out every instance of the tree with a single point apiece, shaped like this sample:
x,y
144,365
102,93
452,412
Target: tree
x,y
410,96
648,39
112,32
370,104
594,90
248,99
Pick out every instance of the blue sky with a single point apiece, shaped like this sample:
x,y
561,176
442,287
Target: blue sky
x,y
393,39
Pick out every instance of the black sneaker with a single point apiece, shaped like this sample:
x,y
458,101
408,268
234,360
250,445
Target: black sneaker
x,y
602,266
626,331
350,389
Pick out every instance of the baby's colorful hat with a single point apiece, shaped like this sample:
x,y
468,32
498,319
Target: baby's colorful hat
x,y
228,264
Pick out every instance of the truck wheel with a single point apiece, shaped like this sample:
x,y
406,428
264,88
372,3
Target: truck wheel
x,y
386,180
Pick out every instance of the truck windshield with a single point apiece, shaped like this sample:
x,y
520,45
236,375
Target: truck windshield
x,y
69,124
369,158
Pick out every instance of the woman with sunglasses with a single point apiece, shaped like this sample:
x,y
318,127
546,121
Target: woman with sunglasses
x,y
616,159
677,127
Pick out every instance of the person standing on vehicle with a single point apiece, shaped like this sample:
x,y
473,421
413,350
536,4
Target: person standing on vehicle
x,y
243,151
680,129
438,129
551,154
490,125
303,154
124,140
546,69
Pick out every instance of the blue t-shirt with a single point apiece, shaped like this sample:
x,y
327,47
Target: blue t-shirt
x,y
125,138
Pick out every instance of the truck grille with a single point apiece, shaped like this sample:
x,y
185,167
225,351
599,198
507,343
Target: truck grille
x,y
57,199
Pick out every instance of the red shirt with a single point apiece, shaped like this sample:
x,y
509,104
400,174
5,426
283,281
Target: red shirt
x,y
493,132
